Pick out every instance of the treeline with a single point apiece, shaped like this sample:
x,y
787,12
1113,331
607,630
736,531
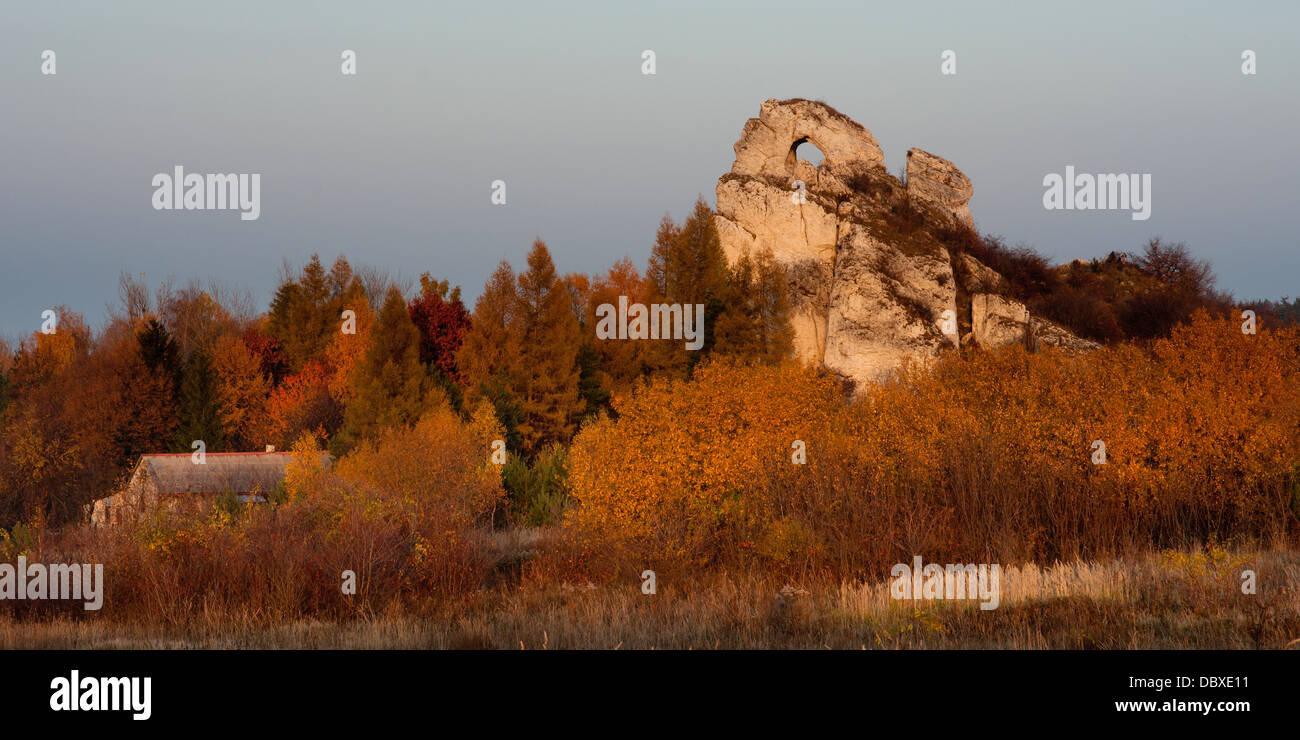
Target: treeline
x,y
343,354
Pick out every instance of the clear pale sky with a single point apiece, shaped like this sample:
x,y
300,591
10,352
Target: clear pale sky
x,y
393,167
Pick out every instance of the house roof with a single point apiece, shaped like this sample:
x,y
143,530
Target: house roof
x,y
222,472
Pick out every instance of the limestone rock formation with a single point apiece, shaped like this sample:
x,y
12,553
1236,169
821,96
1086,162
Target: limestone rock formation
x,y
863,301
938,181
997,321
1044,333
980,278
872,283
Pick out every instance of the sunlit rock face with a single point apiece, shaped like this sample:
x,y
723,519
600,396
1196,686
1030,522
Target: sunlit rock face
x,y
872,286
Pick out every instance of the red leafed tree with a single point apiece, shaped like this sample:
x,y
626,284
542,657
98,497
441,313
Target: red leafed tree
x,y
270,356
442,321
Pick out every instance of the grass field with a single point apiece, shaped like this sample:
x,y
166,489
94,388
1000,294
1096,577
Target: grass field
x,y
1170,600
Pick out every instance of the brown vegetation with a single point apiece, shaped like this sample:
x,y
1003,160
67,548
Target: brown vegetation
x,y
732,472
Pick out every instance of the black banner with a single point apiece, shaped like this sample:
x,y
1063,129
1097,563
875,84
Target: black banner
x,y
933,690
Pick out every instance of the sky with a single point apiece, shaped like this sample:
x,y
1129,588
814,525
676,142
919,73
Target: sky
x,y
393,167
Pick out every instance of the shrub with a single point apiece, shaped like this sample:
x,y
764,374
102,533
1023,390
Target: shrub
x,y
983,457
668,479
1083,311
538,492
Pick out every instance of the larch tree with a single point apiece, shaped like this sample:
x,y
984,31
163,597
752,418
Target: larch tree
x,y
241,393
593,381
754,322
488,358
352,336
305,310
548,373
621,362
391,386
688,267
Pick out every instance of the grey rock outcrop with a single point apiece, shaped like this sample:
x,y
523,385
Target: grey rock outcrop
x,y
872,285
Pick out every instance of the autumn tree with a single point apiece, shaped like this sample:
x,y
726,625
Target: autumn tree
x,y
687,266
391,386
1182,285
40,464
442,320
755,319
6,362
687,263
267,350
301,403
656,272
42,356
200,410
133,296
74,420
621,362
123,407
546,382
488,358
305,310
352,337
141,390
195,318
579,287
241,393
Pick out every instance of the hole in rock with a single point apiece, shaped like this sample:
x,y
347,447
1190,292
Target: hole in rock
x,y
805,150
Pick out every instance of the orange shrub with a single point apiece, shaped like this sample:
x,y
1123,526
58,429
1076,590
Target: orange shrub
x,y
674,471
980,457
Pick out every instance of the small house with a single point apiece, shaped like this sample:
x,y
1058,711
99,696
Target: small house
x,y
176,481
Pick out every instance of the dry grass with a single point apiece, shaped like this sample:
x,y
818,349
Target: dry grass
x,y
1185,600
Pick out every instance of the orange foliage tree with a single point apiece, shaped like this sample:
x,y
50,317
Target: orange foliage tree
x,y
302,403
978,457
